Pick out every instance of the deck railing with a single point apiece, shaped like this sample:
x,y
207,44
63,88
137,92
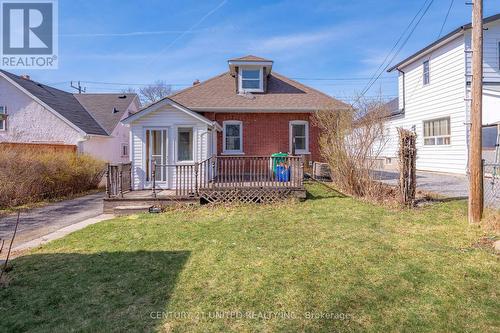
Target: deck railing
x,y
118,179
258,171
222,172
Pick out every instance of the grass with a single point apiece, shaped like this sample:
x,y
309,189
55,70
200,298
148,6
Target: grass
x,y
330,264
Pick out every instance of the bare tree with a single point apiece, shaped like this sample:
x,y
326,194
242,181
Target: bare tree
x,y
350,142
154,92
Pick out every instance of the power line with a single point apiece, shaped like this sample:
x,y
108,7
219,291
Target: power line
x,y
395,44
133,84
400,47
445,18
194,26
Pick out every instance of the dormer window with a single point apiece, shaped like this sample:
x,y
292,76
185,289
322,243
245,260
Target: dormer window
x,y
251,79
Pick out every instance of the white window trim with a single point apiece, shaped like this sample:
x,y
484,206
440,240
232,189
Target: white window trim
x,y
5,120
435,137
232,152
428,72
240,80
176,145
290,139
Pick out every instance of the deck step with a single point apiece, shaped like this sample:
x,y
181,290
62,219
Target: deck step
x,y
127,210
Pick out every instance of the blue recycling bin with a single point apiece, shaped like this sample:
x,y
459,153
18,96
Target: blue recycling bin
x,y
282,173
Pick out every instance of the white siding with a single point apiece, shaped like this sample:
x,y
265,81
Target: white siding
x,y
491,106
442,97
110,148
165,118
29,121
491,40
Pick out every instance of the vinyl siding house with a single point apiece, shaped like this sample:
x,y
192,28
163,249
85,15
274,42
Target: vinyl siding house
x,y
32,112
434,87
245,112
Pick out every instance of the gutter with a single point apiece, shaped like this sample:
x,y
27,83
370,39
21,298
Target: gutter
x,y
402,110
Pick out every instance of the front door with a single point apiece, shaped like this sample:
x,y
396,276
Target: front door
x,y
157,154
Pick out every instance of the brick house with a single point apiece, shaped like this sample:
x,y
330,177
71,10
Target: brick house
x,y
247,111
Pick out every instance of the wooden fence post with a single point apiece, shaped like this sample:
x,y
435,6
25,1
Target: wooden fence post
x,y
108,181
196,178
153,176
120,175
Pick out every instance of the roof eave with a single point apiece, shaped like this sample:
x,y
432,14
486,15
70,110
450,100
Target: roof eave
x,y
429,48
45,105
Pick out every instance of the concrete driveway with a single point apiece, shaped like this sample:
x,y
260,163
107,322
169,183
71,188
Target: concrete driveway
x,y
42,221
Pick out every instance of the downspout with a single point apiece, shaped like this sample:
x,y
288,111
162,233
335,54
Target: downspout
x,y
404,91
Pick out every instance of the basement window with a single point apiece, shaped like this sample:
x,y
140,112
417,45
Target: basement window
x,y
437,132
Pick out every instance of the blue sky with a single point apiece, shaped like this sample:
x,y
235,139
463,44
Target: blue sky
x,y
137,42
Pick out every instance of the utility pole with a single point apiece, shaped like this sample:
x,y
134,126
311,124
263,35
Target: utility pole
x,y
79,87
475,143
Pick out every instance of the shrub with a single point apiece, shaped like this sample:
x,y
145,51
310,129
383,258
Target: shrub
x,y
29,175
350,142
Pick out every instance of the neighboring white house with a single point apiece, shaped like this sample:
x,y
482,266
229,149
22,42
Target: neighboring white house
x,y
434,87
35,113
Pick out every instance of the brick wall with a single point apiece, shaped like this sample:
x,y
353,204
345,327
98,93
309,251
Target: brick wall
x,y
267,133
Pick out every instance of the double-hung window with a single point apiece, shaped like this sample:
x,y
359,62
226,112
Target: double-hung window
x,y
251,80
3,118
233,137
185,144
437,132
299,137
426,72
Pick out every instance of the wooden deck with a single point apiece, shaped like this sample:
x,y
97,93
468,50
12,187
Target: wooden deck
x,y
219,179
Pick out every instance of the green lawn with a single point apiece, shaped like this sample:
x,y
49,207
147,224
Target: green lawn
x,y
330,264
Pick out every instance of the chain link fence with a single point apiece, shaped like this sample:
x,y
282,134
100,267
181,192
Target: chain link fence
x,y
491,184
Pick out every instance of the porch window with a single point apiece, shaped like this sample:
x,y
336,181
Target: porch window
x,y
233,137
185,144
3,118
437,132
299,137
251,80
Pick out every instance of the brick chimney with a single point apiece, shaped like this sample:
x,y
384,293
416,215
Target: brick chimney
x,y
196,82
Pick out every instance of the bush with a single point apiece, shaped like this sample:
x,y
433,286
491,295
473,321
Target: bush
x,y
350,142
28,176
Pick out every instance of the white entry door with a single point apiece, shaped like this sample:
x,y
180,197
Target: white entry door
x,y
157,154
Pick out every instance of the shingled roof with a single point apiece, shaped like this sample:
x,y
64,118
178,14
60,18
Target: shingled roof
x,y
250,58
281,94
91,113
107,109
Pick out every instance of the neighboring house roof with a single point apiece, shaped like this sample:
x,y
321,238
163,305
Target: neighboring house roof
x,y
107,109
455,33
219,93
393,107
73,107
167,101
250,58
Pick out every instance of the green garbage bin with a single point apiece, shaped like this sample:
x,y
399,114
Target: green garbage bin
x,y
276,159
